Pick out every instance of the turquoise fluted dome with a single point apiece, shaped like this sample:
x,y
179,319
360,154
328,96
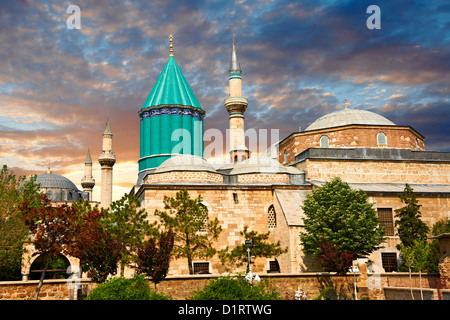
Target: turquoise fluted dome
x,y
171,119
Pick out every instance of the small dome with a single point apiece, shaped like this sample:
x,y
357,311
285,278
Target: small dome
x,y
51,180
348,117
57,188
185,162
259,165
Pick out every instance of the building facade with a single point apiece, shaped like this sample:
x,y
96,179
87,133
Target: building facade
x,y
266,193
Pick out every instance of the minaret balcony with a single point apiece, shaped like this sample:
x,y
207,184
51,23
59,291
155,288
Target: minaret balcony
x,y
107,158
236,104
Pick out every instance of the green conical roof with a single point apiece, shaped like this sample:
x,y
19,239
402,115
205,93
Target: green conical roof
x,y
171,88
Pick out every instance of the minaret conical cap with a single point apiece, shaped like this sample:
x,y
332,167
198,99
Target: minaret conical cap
x,y
107,128
234,62
88,157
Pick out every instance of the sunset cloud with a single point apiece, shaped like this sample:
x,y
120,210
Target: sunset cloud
x,y
300,60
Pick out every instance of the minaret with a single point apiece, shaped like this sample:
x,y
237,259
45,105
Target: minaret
x,y
107,159
88,182
236,105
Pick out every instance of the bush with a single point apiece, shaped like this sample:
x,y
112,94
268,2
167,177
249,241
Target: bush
x,y
136,288
236,288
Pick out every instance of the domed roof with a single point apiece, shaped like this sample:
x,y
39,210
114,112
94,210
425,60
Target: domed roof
x,y
185,162
348,117
51,180
259,165
57,188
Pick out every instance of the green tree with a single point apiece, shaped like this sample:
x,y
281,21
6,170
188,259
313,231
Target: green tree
x,y
13,231
260,247
127,220
341,217
409,225
194,233
441,226
416,257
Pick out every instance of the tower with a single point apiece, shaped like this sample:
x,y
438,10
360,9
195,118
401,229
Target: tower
x,y
236,105
88,182
171,119
107,159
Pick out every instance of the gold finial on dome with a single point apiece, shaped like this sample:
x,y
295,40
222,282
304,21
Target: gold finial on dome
x,y
48,170
346,103
171,45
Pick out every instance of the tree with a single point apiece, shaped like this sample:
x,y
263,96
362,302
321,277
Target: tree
x,y
13,231
238,256
52,230
153,258
333,260
416,257
340,216
127,221
194,233
409,225
98,250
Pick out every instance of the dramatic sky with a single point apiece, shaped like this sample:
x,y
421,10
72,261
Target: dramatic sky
x,y
300,60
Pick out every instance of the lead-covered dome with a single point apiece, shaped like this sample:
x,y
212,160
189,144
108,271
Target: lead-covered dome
x,y
349,117
185,162
57,187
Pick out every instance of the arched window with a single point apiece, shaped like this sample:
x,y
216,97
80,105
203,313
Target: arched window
x,y
324,142
285,156
243,157
272,217
381,139
235,158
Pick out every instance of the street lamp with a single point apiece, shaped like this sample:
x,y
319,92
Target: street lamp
x,y
354,269
248,245
250,276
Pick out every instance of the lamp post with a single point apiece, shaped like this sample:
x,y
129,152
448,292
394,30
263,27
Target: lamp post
x,y
248,245
354,269
250,276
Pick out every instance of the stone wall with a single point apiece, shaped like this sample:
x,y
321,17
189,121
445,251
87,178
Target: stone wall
x,y
350,136
377,171
233,207
184,176
383,286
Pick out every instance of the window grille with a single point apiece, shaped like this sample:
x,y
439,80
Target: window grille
x,y
204,221
389,261
386,220
272,217
274,266
201,267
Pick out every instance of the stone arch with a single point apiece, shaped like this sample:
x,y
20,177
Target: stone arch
x,y
29,257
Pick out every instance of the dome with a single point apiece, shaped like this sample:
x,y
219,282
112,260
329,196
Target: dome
x,y
259,165
185,162
348,117
57,188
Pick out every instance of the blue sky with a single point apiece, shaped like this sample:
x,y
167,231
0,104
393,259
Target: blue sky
x,y
300,60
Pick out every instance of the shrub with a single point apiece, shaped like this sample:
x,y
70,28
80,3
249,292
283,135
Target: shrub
x,y
136,288
236,288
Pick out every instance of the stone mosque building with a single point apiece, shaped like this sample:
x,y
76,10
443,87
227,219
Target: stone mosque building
x,y
266,193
